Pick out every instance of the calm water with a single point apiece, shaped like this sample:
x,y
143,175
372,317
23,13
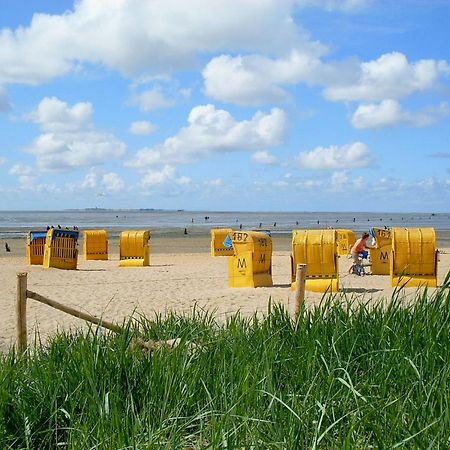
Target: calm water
x,y
15,224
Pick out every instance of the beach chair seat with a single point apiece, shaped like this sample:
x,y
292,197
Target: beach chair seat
x,y
95,245
35,247
134,248
414,257
61,249
220,245
318,250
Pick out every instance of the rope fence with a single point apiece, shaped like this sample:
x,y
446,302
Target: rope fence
x,y
21,312
23,294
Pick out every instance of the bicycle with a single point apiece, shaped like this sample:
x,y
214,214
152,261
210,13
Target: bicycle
x,y
359,267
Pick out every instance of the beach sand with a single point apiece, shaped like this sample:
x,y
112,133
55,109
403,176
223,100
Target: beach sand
x,y
182,275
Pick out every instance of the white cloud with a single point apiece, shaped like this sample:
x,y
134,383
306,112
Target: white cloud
x,y
24,173
389,112
89,181
338,181
263,157
349,156
70,140
68,151
241,80
2,160
390,76
280,183
214,182
149,38
386,113
35,54
139,37
156,177
112,182
5,103
435,112
333,5
309,183
185,93
151,99
53,114
254,79
344,183
20,169
97,180
142,127
212,130
184,181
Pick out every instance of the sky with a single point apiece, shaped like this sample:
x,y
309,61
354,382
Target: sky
x,y
234,105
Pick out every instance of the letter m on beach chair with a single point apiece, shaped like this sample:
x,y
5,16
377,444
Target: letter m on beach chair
x,y
251,264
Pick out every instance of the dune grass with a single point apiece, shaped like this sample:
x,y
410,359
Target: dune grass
x,y
343,376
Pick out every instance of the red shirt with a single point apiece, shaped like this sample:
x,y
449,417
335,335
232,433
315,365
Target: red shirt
x,y
359,245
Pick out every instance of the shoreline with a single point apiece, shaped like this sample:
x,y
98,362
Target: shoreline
x,y
17,224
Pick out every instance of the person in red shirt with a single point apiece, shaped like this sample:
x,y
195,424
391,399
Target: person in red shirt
x,y
358,247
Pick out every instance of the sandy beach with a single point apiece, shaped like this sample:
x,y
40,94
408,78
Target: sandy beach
x,y
182,275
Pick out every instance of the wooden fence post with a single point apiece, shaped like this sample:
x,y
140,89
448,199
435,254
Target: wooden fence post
x,y
299,295
21,312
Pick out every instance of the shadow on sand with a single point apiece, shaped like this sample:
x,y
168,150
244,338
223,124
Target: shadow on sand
x,y
285,285
91,270
360,290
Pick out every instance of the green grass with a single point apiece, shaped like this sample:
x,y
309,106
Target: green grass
x,y
344,376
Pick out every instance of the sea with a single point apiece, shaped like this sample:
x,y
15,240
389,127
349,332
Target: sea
x,y
16,224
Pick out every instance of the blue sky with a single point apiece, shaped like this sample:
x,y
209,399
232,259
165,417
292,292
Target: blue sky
x,y
288,105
